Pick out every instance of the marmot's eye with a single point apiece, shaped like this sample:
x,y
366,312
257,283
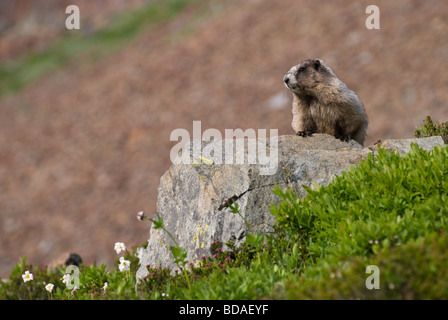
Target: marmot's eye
x,y
301,69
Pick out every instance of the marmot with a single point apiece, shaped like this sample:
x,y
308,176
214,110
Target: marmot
x,y
323,104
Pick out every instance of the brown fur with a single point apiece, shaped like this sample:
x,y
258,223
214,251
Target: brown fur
x,y
323,104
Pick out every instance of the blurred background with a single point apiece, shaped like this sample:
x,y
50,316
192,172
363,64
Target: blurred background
x,y
86,115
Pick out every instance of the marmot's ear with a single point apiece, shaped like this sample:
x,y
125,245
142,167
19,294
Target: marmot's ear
x,y
316,64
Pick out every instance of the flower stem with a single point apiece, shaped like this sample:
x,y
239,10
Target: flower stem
x,y
29,291
172,238
159,224
186,277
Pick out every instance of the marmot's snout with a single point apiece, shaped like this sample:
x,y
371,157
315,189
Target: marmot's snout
x,y
290,80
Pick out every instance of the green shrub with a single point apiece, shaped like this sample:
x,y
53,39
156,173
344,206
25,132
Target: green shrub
x,y
383,202
364,214
92,280
430,129
416,270
14,288
207,272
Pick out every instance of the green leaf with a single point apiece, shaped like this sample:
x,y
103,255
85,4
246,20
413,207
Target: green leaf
x,y
158,224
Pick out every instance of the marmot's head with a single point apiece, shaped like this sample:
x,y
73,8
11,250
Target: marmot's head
x,y
308,77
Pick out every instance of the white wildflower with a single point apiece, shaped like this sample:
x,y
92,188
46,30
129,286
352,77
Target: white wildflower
x,y
119,246
140,215
66,279
124,265
27,276
49,287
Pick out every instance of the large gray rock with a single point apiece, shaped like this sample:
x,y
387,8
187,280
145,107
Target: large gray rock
x,y
403,146
191,194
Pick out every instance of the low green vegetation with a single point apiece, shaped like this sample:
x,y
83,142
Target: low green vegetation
x,y
430,129
390,212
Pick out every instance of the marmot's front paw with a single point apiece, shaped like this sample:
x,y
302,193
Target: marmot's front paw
x,y
306,133
345,138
